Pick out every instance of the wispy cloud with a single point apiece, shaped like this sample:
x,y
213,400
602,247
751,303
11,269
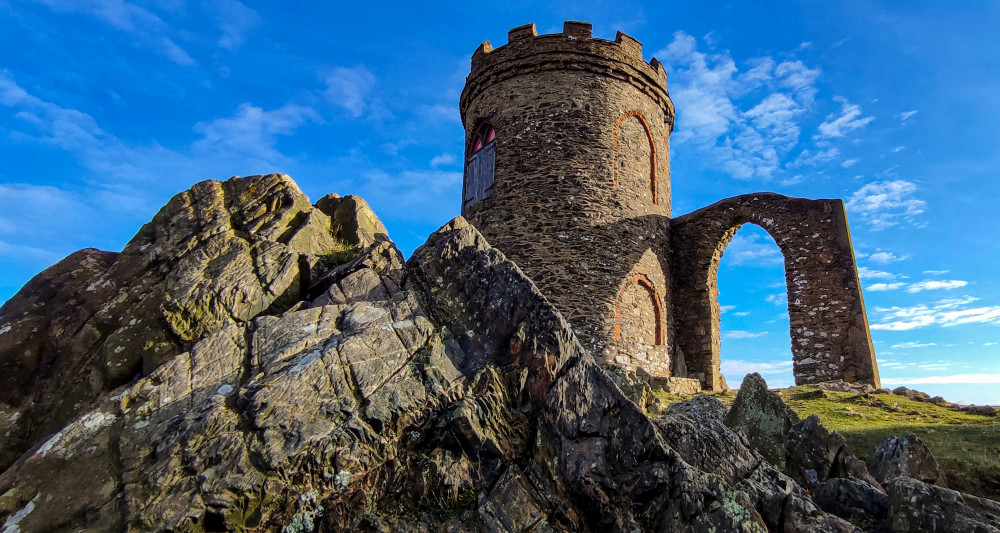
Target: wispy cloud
x,y
936,272
948,312
739,334
747,137
753,249
911,345
907,114
350,88
956,378
883,204
738,368
235,21
411,194
934,284
868,273
877,287
849,163
443,159
886,257
848,120
780,298
147,27
252,131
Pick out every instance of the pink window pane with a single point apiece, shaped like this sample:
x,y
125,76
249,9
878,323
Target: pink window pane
x,y
478,146
491,135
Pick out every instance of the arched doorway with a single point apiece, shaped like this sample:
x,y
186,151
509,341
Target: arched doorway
x,y
827,321
753,309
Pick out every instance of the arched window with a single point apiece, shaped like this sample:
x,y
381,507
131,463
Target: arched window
x,y
479,165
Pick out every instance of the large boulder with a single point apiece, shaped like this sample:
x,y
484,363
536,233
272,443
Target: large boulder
x,y
219,254
907,456
915,506
763,417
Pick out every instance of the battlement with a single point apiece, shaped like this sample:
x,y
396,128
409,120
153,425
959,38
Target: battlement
x,y
574,49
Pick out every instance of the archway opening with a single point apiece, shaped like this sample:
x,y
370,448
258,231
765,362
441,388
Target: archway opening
x,y
753,310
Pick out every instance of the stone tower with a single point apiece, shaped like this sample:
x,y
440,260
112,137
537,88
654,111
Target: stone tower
x,y
567,173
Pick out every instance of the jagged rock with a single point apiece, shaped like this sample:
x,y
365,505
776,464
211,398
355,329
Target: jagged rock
x,y
764,418
912,394
915,506
352,221
815,455
219,254
907,456
853,499
441,394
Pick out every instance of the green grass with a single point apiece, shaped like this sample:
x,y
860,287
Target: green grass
x,y
966,445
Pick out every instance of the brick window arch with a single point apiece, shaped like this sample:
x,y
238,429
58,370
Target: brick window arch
x,y
615,141
480,165
645,283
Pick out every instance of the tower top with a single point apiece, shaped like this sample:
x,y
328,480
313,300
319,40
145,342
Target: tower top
x,y
573,49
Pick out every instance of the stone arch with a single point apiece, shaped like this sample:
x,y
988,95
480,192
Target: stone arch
x,y
620,155
642,281
827,321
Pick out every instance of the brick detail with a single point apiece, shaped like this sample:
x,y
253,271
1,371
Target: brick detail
x,y
619,156
655,299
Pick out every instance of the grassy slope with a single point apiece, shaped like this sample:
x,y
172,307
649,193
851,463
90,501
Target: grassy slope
x,y
966,445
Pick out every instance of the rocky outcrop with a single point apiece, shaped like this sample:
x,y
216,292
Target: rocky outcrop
x,y
907,456
219,254
443,393
763,417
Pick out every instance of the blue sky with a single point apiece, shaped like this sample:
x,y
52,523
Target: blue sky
x,y
109,108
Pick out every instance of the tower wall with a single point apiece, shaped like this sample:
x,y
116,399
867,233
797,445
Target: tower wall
x,y
581,192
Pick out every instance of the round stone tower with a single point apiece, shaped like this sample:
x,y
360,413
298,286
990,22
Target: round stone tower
x,y
567,173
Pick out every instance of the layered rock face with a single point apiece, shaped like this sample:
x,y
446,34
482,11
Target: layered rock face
x,y
291,372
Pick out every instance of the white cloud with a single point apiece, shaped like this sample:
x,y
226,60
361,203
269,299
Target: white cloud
x,y
876,287
726,308
235,20
809,158
746,121
850,119
739,334
883,204
147,27
753,249
739,368
415,195
350,88
910,345
907,114
936,272
947,313
868,273
886,257
898,149
780,298
956,378
849,163
138,178
929,285
741,313
443,159
252,132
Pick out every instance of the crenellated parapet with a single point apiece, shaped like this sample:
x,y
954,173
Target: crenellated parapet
x,y
574,49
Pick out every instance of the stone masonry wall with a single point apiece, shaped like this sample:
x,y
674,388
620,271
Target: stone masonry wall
x,y
581,196
829,327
